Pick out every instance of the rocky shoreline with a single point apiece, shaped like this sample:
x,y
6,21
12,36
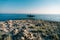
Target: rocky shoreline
x,y
29,30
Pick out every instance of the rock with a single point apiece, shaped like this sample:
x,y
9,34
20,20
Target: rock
x,y
19,29
22,38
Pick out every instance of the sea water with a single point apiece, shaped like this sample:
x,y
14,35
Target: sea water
x,y
6,16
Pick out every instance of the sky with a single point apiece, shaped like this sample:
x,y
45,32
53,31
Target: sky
x,y
30,6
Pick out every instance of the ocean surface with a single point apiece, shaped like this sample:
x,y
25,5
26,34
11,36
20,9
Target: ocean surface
x,y
4,17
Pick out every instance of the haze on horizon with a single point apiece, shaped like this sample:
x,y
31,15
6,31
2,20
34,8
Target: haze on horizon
x,y
30,6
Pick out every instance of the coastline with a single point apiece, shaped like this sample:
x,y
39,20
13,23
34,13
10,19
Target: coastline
x,y
35,27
